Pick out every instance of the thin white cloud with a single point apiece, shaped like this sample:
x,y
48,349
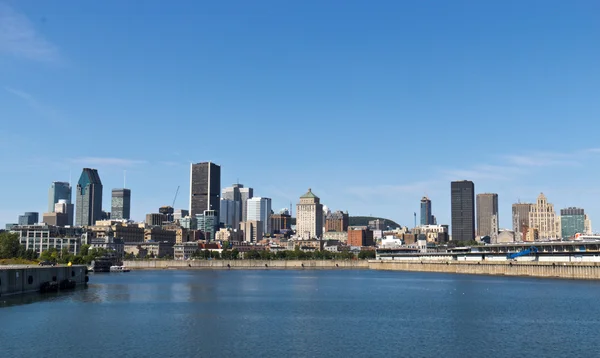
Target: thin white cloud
x,y
19,38
45,111
101,161
542,159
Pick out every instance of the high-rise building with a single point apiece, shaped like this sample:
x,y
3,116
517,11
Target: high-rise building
x,y
543,218
205,187
572,221
238,193
58,190
245,194
336,221
259,209
251,230
463,210
89,198
426,216
208,223
229,213
121,204
61,191
520,218
309,216
180,214
29,218
65,207
487,214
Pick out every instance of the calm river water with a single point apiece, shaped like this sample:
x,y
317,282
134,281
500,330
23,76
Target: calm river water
x,y
305,314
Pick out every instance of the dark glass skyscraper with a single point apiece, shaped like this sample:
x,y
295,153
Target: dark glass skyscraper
x,y
89,198
58,190
463,210
426,217
572,222
120,204
205,187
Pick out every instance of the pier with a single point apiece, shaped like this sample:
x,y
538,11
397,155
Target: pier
x,y
19,279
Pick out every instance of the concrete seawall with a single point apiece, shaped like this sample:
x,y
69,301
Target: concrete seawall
x,y
573,270
22,279
249,264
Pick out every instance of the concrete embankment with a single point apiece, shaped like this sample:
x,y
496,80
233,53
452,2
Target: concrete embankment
x,y
248,264
24,279
572,270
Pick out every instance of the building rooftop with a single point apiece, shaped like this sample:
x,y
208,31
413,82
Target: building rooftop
x,y
309,195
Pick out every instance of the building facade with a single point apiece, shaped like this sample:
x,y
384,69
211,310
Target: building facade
x,y
208,223
463,210
487,214
309,216
520,218
229,213
205,187
88,208
61,191
572,221
121,204
281,222
259,209
426,215
29,218
336,221
245,194
360,237
542,217
251,230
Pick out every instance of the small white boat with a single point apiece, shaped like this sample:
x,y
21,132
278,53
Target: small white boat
x,y
119,269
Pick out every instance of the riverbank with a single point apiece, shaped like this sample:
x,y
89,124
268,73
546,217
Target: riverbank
x,y
247,264
571,270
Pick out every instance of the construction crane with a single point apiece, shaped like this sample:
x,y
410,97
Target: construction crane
x,y
175,198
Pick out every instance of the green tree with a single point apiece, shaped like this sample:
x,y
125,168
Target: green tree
x,y
367,254
235,254
84,250
9,245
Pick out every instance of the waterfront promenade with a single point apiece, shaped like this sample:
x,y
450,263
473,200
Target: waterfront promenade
x,y
572,270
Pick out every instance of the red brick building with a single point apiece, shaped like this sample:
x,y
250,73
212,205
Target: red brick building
x,y
360,237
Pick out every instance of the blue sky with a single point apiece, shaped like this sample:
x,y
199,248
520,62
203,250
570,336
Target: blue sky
x,y
371,104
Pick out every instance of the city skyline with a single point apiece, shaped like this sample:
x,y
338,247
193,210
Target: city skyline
x,y
256,84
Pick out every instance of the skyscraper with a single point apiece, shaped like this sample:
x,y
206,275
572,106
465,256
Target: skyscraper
x,y
463,210
572,221
520,216
259,209
309,216
29,218
88,207
245,194
229,213
239,194
58,190
205,187
543,218
121,204
487,208
426,217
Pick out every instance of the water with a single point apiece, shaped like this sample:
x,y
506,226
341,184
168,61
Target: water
x,y
305,314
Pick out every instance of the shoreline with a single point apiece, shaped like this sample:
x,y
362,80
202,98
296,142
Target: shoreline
x,y
248,265
572,270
